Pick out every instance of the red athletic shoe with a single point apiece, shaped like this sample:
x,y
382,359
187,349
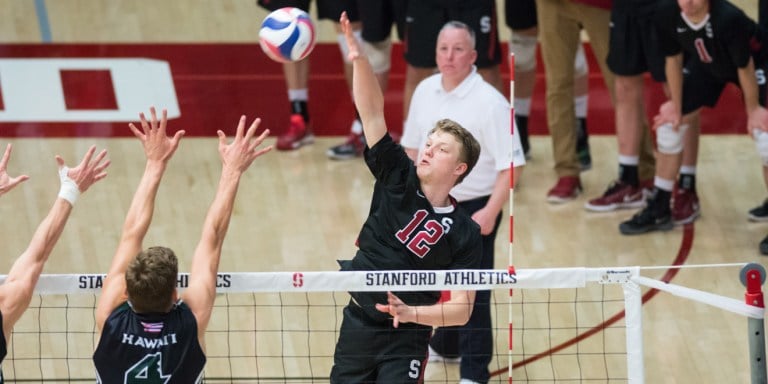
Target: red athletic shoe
x,y
618,195
685,206
298,134
566,189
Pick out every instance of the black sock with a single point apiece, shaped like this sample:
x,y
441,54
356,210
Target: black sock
x,y
522,129
300,107
661,201
582,136
687,181
628,174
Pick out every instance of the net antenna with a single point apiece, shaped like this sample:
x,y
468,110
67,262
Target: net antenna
x,y
511,268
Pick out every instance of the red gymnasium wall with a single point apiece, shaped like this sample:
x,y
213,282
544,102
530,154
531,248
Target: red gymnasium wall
x,y
214,84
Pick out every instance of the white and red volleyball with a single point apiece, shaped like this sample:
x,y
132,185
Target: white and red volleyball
x,y
287,34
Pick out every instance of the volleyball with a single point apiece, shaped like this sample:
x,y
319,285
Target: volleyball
x,y
287,34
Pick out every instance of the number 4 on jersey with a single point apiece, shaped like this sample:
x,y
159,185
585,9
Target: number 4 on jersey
x,y
147,371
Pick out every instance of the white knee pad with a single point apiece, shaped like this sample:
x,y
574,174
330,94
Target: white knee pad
x,y
343,47
580,66
379,55
524,48
761,143
669,140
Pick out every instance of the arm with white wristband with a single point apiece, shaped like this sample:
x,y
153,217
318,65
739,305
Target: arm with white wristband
x,y
16,290
69,190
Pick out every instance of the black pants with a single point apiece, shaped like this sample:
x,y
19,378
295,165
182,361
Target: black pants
x,y
474,340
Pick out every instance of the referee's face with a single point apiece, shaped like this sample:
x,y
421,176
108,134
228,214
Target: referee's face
x,y
454,53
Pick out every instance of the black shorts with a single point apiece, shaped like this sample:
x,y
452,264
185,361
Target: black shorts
x,y
634,42
378,16
520,14
425,18
702,89
326,9
370,351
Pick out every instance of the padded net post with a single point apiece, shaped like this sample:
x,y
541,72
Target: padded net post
x,y
753,277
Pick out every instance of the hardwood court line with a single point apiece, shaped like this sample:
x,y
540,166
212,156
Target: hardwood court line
x,y
682,255
43,22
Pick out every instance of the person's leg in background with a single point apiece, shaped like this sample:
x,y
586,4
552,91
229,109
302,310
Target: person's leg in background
x,y
521,18
559,35
685,200
482,17
700,89
581,103
633,51
376,19
331,10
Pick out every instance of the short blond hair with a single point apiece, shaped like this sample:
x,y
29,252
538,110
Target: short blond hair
x,y
470,147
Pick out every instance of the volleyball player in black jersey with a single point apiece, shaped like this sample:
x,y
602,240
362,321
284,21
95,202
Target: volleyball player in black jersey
x,y
413,224
16,291
707,44
146,333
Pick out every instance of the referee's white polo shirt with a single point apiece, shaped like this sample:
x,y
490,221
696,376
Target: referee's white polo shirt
x,y
479,108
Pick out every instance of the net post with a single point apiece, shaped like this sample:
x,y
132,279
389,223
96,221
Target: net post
x,y
633,318
511,198
753,277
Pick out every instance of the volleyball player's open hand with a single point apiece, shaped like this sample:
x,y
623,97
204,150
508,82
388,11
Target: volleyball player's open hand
x,y
240,153
90,170
157,145
352,43
400,312
6,181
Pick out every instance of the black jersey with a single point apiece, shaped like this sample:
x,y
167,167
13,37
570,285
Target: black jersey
x,y
149,348
404,232
762,13
724,42
639,8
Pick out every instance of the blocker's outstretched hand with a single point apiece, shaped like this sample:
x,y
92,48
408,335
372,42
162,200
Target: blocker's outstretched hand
x,y
352,43
6,181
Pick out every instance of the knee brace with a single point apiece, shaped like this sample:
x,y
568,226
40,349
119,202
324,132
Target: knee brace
x,y
524,48
580,66
379,55
668,140
761,143
343,47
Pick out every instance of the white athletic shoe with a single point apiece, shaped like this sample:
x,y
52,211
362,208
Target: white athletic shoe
x,y
435,357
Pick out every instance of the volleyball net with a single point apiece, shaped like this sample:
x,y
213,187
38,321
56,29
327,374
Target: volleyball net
x,y
550,325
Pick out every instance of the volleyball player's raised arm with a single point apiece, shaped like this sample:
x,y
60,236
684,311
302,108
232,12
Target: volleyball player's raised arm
x,y
158,148
365,89
16,291
236,157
